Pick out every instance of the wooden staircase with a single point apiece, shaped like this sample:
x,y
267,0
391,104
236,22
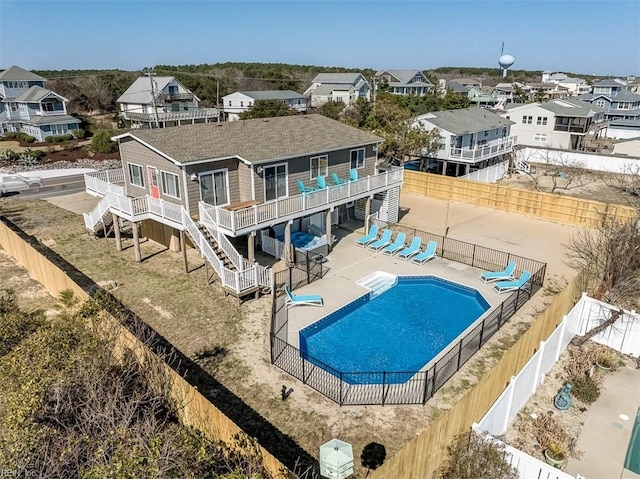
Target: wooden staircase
x,y
226,261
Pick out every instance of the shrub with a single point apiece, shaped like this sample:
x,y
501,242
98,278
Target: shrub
x,y
12,135
101,142
26,137
8,155
79,133
67,137
585,389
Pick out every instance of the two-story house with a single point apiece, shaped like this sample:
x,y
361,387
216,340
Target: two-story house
x,y
484,96
404,82
236,103
339,87
621,106
161,101
262,179
575,86
27,106
474,142
511,92
566,124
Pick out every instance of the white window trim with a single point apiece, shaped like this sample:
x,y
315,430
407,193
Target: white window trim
x,y
540,137
226,180
131,176
264,181
163,185
364,158
319,157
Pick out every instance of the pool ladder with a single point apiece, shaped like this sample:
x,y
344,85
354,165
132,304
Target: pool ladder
x,y
378,283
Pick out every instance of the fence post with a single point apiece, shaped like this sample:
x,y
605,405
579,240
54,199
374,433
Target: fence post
x,y
473,257
482,331
500,315
384,381
563,327
460,353
290,277
341,388
304,379
507,415
424,392
536,376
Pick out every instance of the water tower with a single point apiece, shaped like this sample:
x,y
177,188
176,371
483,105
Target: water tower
x,y
505,61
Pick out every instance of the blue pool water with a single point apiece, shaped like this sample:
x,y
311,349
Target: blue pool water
x,y
400,330
632,461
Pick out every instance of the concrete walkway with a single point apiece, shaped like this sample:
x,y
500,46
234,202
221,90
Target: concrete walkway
x,y
605,436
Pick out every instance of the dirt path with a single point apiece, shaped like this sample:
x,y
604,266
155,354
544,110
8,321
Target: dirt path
x,y
15,146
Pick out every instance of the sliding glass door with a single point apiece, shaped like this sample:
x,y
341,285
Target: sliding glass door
x,y
275,182
214,187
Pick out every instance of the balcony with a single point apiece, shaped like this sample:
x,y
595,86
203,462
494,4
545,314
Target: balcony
x,y
243,221
483,152
163,116
170,97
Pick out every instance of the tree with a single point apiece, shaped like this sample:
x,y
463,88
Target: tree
x,y
539,95
102,143
454,101
476,457
332,109
519,95
357,114
266,109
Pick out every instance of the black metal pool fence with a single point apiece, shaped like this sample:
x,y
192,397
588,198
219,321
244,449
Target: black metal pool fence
x,y
399,387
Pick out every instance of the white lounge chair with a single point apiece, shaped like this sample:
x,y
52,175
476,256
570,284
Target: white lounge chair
x,y
504,275
506,286
413,248
384,240
396,246
302,300
428,253
368,238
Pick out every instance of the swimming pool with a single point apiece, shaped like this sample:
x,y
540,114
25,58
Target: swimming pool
x,y
398,331
632,461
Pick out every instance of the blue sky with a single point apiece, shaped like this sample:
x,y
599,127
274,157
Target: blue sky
x,y
600,37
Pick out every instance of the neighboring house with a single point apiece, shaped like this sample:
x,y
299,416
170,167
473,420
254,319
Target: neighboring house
x,y
485,96
634,85
468,82
159,102
239,102
344,87
27,106
549,90
471,139
567,124
629,147
456,88
575,86
621,106
506,91
404,82
241,179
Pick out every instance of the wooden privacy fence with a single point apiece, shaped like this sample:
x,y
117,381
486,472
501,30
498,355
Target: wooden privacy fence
x,y
195,410
548,206
423,455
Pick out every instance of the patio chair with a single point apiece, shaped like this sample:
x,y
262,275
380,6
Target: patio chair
x,y
413,248
302,300
353,175
338,181
506,286
396,246
384,240
305,189
504,275
322,182
368,238
428,253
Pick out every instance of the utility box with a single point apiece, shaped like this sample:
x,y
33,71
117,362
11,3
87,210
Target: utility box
x,y
336,459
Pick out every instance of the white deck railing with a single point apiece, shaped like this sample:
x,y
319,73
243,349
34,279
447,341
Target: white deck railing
x,y
483,152
248,276
247,219
99,183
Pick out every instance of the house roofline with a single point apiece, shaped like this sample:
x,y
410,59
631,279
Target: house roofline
x,y
131,135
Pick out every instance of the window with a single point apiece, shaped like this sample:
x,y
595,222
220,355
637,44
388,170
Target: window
x,y
486,133
170,185
213,188
275,182
601,103
357,159
541,120
175,107
229,102
48,106
241,103
13,107
542,137
59,129
508,117
624,105
527,120
319,166
135,175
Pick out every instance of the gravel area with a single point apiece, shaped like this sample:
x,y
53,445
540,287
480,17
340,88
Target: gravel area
x,y
85,163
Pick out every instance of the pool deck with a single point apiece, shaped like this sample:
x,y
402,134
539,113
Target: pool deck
x,y
605,436
348,263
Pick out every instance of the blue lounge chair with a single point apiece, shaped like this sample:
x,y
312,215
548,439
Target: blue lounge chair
x,y
504,275
302,300
338,181
353,175
305,189
428,253
371,236
384,240
397,245
413,248
506,286
322,182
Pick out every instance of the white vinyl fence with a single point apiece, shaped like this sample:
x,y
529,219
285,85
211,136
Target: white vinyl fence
x,y
590,161
490,174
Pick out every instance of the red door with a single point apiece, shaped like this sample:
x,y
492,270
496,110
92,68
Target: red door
x,y
152,173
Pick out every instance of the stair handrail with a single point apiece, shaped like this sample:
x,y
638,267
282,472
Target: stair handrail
x,y
236,258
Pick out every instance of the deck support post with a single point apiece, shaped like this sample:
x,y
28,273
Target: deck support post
x,y
183,245
174,242
287,242
136,241
328,230
251,245
116,231
367,213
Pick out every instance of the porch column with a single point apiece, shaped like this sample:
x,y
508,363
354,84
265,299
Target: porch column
x,y
367,213
116,231
251,243
327,228
136,241
174,242
444,168
183,245
287,242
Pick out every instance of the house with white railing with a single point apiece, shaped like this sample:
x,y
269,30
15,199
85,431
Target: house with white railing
x,y
217,183
27,106
474,143
161,101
